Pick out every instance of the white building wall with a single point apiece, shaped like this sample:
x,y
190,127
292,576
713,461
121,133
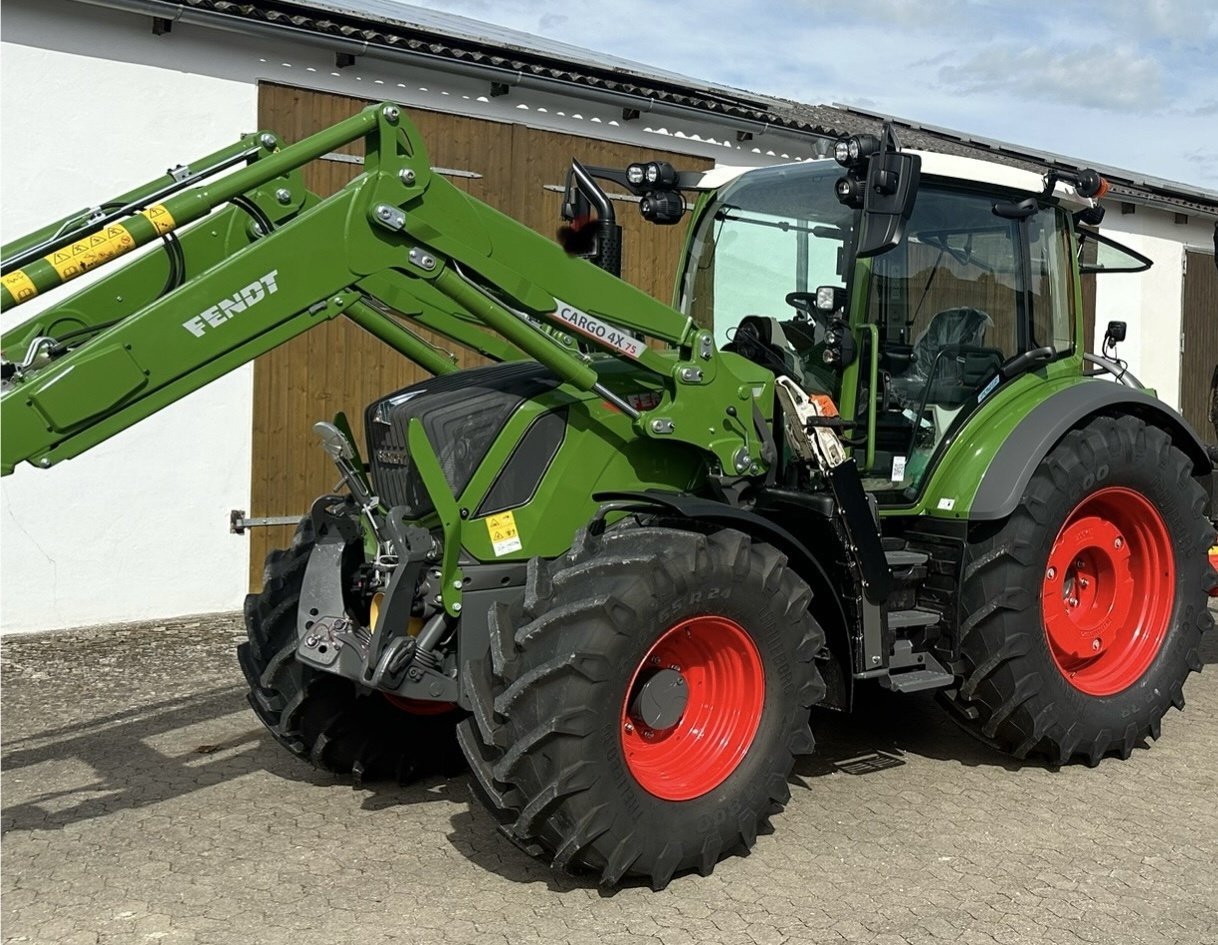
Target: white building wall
x,y
1150,303
95,104
137,527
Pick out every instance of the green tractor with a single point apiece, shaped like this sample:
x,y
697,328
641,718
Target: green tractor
x,y
619,566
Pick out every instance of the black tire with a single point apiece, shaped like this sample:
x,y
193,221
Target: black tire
x,y
1017,691
322,718
545,736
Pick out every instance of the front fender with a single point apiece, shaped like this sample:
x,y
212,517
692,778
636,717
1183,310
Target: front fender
x,y
807,563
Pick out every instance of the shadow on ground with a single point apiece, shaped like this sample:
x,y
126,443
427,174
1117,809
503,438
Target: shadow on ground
x,y
130,773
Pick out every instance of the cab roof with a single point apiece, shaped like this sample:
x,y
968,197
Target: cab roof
x,y
934,164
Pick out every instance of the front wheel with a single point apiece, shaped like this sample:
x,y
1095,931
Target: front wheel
x,y
322,718
642,714
1083,612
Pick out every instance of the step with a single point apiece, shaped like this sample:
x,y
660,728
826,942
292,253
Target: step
x,y
918,679
901,558
904,619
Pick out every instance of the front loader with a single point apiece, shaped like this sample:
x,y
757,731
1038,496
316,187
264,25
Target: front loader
x,y
620,565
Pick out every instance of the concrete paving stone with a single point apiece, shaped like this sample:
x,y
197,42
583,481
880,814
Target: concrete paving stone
x,y
117,830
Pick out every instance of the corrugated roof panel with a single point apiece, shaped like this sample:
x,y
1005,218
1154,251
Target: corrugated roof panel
x,y
489,34
412,29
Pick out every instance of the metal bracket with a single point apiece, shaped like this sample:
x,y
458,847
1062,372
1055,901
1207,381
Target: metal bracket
x,y
389,217
423,260
434,481
238,523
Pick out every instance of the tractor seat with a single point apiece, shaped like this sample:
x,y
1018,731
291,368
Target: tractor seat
x,y
959,370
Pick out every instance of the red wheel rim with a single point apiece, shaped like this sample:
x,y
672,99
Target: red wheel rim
x,y
1108,590
721,672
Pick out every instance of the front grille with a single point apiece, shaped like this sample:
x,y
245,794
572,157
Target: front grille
x,y
461,414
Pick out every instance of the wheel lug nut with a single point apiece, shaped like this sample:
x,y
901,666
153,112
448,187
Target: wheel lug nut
x,y
648,733
629,728
1051,574
1078,562
1084,583
1118,542
1095,644
1073,601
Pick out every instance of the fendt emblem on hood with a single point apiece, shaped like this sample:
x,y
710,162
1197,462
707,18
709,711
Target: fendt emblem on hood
x,y
238,302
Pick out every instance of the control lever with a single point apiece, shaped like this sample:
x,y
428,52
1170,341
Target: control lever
x,y
1019,363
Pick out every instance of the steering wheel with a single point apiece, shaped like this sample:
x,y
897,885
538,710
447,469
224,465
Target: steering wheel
x,y
805,304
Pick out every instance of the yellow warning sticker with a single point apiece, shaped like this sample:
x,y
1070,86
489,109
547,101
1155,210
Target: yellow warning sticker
x,y
19,285
504,537
160,218
92,251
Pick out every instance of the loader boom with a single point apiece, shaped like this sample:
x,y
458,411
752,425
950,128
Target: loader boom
x,y
253,259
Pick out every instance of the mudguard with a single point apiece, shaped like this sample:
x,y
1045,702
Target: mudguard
x,y
806,563
1005,479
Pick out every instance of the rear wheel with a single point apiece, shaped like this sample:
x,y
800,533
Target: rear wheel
x,y
641,713
1084,610
324,718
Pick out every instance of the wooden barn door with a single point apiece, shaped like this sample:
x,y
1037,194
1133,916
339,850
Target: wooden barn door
x,y
1198,341
337,366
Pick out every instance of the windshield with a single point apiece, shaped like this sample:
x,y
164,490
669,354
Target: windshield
x,y
770,232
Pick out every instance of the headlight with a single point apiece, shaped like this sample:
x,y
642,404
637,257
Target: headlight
x,y
852,151
829,298
660,174
662,206
634,174
850,190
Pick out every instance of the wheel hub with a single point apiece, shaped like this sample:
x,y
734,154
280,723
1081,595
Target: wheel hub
x,y
1089,587
1108,591
661,700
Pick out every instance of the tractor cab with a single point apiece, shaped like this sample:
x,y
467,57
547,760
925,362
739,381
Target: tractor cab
x,y
973,289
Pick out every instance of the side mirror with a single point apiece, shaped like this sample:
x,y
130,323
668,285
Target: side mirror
x,y
1114,333
888,200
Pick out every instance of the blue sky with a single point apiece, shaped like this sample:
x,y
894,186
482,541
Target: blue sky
x,y
1121,82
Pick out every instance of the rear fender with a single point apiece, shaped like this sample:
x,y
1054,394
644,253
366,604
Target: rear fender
x,y
1007,476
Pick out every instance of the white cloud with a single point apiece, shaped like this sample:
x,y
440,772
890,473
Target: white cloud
x,y
1103,80
1116,79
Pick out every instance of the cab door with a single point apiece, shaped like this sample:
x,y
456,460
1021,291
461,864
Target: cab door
x,y
975,281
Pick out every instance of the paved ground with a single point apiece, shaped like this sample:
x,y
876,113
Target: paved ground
x,y
142,803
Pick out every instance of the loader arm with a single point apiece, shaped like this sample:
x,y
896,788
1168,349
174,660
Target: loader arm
x,y
253,259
